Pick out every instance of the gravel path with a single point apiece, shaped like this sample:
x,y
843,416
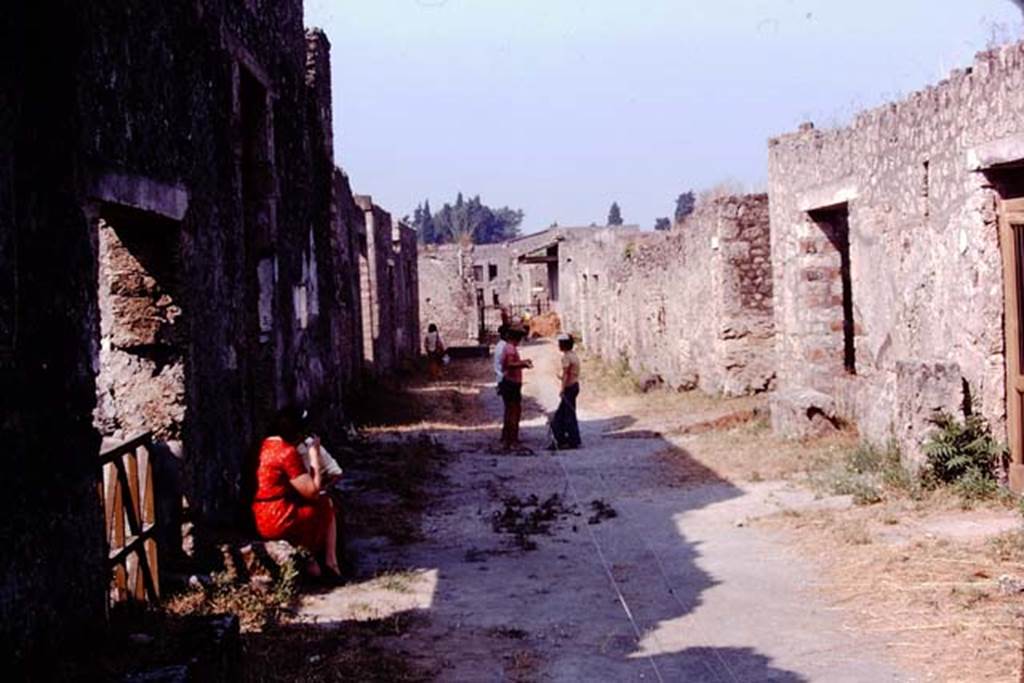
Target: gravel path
x,y
673,585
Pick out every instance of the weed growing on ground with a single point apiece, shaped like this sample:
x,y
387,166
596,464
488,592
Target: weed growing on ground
x,y
1008,547
868,473
396,580
957,450
257,605
964,455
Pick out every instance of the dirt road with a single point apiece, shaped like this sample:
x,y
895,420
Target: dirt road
x,y
643,568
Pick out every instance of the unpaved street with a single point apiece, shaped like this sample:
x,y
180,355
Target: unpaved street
x,y
643,568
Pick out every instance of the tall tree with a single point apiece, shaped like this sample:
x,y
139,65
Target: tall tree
x,y
663,224
470,221
614,214
423,221
685,204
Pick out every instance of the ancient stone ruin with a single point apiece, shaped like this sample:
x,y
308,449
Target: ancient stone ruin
x,y
179,255
896,259
690,308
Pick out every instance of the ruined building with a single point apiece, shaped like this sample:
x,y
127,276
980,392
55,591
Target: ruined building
x,y
390,301
464,287
178,254
897,255
691,307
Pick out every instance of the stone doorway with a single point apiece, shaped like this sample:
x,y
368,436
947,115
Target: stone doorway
x,y
829,284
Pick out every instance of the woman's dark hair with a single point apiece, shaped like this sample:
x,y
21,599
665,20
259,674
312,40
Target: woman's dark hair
x,y
566,344
290,424
515,334
431,327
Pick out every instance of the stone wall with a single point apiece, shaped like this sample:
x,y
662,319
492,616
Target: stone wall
x,y
406,295
692,307
446,292
455,280
390,296
918,183
166,187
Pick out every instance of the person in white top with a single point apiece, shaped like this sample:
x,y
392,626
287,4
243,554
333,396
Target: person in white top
x,y
499,350
434,346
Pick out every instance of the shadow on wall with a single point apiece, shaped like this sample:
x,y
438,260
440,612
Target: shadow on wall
x,y
506,597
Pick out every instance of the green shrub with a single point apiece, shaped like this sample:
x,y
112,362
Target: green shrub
x,y
965,455
975,486
868,472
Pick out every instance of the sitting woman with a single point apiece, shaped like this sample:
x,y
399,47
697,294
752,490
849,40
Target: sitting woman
x,y
289,504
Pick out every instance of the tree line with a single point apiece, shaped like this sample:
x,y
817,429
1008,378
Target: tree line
x,y
470,221
465,221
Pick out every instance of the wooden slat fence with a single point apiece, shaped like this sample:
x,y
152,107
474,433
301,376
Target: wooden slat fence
x,y
129,508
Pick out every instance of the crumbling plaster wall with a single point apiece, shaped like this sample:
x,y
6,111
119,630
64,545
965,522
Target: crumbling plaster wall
x,y
692,307
927,279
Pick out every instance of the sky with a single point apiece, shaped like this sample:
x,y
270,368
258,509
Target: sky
x,y
559,107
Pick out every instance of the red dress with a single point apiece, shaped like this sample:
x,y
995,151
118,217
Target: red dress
x,y
279,510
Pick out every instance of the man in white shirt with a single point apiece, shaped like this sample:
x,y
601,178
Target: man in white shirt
x,y
499,350
434,346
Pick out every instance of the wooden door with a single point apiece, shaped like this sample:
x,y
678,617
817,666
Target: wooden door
x,y
1011,238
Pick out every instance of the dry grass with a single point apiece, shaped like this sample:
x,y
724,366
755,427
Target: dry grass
x,y
416,403
612,387
935,603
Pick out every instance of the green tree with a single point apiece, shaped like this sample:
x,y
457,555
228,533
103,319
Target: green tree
x,y
470,221
614,214
685,205
423,221
663,224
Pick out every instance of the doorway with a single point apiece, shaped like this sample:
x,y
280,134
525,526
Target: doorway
x,y
1011,240
834,223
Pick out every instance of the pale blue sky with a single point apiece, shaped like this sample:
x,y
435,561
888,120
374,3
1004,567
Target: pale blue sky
x,y
559,107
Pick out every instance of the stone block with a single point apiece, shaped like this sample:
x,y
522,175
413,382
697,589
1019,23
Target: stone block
x,y
803,412
922,390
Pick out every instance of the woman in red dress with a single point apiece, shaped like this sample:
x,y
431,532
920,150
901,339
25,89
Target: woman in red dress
x,y
289,504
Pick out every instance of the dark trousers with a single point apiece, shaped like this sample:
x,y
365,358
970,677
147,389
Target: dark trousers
x,y
512,397
564,424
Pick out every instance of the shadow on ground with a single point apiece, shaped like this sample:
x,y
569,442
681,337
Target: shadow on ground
x,y
495,610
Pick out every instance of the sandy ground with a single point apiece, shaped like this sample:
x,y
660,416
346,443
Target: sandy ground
x,y
677,586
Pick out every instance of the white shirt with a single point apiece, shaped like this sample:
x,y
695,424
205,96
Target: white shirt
x,y
433,341
499,351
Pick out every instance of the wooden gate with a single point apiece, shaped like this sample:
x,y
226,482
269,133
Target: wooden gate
x,y
130,512
1011,239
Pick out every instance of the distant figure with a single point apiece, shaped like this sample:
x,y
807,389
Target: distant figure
x,y
499,351
564,425
434,346
511,388
289,503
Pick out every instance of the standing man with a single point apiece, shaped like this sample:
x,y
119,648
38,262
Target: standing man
x,y
499,351
564,425
511,388
434,346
